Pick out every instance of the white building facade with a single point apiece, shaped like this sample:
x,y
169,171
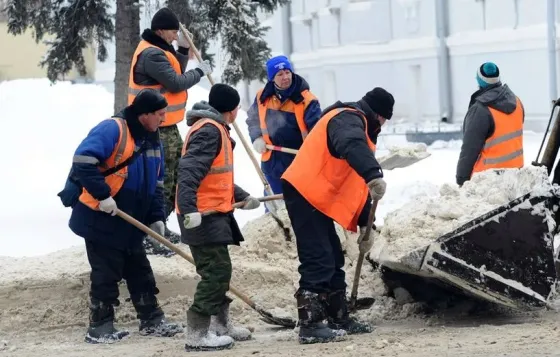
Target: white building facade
x,y
425,52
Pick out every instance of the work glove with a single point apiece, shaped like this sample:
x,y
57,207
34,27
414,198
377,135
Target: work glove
x,y
182,40
158,227
205,67
192,220
259,145
108,205
251,203
377,188
365,245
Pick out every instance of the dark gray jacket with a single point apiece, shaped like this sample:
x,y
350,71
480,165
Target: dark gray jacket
x,y
152,66
203,147
478,124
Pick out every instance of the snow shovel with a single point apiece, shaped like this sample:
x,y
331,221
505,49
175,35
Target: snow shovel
x,y
272,208
265,315
389,162
353,303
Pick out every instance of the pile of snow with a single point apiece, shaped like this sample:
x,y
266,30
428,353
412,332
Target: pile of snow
x,y
431,215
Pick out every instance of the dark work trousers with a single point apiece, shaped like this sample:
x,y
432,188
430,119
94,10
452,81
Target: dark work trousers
x,y
109,266
319,250
213,264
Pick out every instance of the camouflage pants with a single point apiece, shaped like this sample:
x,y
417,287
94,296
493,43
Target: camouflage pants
x,y
213,264
172,146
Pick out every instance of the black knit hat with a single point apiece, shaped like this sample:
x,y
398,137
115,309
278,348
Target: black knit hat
x,y
223,98
380,101
165,19
148,101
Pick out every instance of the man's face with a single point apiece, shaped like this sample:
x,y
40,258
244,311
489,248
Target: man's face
x,y
381,119
283,79
168,35
152,121
230,118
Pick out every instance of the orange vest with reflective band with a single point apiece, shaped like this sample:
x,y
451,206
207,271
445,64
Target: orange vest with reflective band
x,y
176,101
331,185
289,106
216,189
504,149
123,150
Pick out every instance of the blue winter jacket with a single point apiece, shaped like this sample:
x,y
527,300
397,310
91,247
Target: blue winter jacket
x,y
282,125
141,195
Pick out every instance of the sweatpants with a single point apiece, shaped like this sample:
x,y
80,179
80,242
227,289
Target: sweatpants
x,y
109,266
319,250
213,264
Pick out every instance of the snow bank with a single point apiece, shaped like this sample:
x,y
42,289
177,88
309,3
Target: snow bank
x,y
430,215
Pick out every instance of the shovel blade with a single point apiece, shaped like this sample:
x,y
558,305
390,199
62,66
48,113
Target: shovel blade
x,y
399,161
275,320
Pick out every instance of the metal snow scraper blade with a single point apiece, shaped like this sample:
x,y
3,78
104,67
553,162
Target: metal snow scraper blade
x,y
504,256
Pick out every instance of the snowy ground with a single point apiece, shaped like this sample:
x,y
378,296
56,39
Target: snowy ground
x,y
42,137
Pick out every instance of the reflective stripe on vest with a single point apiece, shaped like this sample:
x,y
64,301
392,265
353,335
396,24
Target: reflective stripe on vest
x,y
123,150
298,110
504,149
216,189
329,184
176,101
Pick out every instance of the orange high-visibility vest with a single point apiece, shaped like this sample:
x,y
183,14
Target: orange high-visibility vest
x,y
331,185
504,149
176,101
289,106
123,150
216,189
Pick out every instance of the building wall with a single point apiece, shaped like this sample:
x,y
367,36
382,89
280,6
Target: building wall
x,y
21,56
346,47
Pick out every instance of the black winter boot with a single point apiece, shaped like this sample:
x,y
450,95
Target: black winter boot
x,y
152,318
311,314
101,328
339,317
199,338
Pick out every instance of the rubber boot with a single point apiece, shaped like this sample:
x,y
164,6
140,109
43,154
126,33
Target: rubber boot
x,y
199,338
152,318
221,325
311,315
101,328
338,315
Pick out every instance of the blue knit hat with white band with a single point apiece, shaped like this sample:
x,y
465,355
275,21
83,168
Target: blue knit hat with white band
x,y
487,74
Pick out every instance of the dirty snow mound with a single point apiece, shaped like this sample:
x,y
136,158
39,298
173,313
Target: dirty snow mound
x,y
429,216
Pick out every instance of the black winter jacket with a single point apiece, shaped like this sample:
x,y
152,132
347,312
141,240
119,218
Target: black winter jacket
x,y
203,147
478,125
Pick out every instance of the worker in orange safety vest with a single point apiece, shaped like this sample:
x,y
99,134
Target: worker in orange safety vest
x,y
492,128
157,64
206,183
333,179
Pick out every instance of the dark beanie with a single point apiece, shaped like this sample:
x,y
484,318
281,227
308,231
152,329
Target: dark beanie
x,y
148,101
223,98
165,19
380,101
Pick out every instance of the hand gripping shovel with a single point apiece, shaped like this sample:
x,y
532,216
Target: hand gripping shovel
x,y
265,315
356,303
